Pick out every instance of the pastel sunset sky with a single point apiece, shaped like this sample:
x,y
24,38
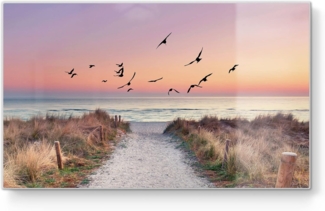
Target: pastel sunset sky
x,y
269,41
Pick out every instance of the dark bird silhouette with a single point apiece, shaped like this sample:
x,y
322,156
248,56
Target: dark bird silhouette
x,y
73,75
156,80
198,59
171,89
127,84
120,65
233,68
205,78
70,71
164,41
120,70
130,89
192,86
104,81
121,75
91,65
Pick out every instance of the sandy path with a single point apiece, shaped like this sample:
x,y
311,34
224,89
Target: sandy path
x,y
146,158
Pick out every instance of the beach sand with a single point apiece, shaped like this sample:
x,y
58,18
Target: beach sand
x,y
146,158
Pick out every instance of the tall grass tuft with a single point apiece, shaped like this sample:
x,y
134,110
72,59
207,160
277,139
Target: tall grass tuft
x,y
32,160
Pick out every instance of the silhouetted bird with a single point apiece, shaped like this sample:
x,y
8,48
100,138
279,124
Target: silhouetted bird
x,y
129,83
192,86
120,65
121,70
70,71
121,75
198,59
156,80
73,75
171,89
104,81
91,65
130,89
233,68
204,79
164,41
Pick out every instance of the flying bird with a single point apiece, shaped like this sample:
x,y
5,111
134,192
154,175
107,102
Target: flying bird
x,y
192,86
198,59
130,89
104,81
120,65
205,78
120,70
70,71
91,65
121,75
156,80
73,75
129,83
171,89
233,68
164,41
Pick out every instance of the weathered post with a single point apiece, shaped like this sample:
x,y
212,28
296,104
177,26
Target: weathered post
x,y
104,135
115,121
101,133
225,157
119,118
58,154
286,170
104,131
199,129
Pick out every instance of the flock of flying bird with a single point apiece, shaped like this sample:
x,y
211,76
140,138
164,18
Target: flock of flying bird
x,y
121,71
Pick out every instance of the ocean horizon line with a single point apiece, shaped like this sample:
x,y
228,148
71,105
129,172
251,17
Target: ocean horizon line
x,y
160,108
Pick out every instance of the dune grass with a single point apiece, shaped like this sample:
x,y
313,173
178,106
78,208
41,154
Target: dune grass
x,y
29,155
255,148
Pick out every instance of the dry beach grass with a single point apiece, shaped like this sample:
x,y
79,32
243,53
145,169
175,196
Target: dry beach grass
x,y
29,155
255,148
254,153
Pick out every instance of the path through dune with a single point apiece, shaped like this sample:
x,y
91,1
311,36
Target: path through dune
x,y
146,158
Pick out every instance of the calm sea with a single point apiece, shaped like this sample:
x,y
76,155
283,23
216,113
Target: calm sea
x,y
161,109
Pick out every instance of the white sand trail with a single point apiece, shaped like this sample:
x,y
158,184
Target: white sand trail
x,y
146,158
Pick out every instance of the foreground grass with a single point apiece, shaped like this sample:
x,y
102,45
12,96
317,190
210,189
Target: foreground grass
x,y
255,149
29,154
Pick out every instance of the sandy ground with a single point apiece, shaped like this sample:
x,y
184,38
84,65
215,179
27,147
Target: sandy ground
x,y
146,159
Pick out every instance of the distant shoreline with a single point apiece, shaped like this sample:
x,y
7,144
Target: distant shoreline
x,y
162,109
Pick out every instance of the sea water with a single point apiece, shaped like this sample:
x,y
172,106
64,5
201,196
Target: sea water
x,y
161,109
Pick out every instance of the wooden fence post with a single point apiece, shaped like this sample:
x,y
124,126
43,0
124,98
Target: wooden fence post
x,y
286,170
58,154
101,133
116,121
119,119
225,157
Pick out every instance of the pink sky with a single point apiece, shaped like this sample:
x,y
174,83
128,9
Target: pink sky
x,y
269,41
